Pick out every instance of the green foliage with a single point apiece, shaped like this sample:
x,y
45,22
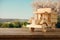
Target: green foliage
x,y
14,24
59,19
5,25
58,23
11,25
0,24
25,23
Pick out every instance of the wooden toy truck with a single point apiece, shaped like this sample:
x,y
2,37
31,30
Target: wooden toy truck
x,y
43,18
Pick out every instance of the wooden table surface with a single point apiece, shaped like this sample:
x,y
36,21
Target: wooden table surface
x,y
24,33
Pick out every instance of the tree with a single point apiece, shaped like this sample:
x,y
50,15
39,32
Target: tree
x,y
5,25
25,23
0,24
11,25
17,24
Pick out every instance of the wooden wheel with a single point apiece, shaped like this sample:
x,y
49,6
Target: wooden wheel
x,y
53,26
44,28
32,29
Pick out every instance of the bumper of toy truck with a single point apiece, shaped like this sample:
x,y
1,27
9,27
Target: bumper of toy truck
x,y
34,26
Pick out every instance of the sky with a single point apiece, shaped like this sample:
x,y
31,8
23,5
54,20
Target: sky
x,y
20,9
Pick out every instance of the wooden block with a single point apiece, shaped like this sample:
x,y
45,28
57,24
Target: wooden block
x,y
53,20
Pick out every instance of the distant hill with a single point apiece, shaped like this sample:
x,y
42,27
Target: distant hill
x,y
9,20
23,20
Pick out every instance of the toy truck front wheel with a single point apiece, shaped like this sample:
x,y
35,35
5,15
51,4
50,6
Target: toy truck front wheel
x,y
31,29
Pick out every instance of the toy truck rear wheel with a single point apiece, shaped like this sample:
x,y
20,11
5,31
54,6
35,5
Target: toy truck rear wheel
x,y
44,28
53,26
32,29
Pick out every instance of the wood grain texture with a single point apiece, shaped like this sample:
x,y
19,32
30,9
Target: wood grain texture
x,y
25,34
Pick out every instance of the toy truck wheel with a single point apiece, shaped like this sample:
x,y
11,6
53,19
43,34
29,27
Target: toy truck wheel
x,y
32,29
44,28
53,26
